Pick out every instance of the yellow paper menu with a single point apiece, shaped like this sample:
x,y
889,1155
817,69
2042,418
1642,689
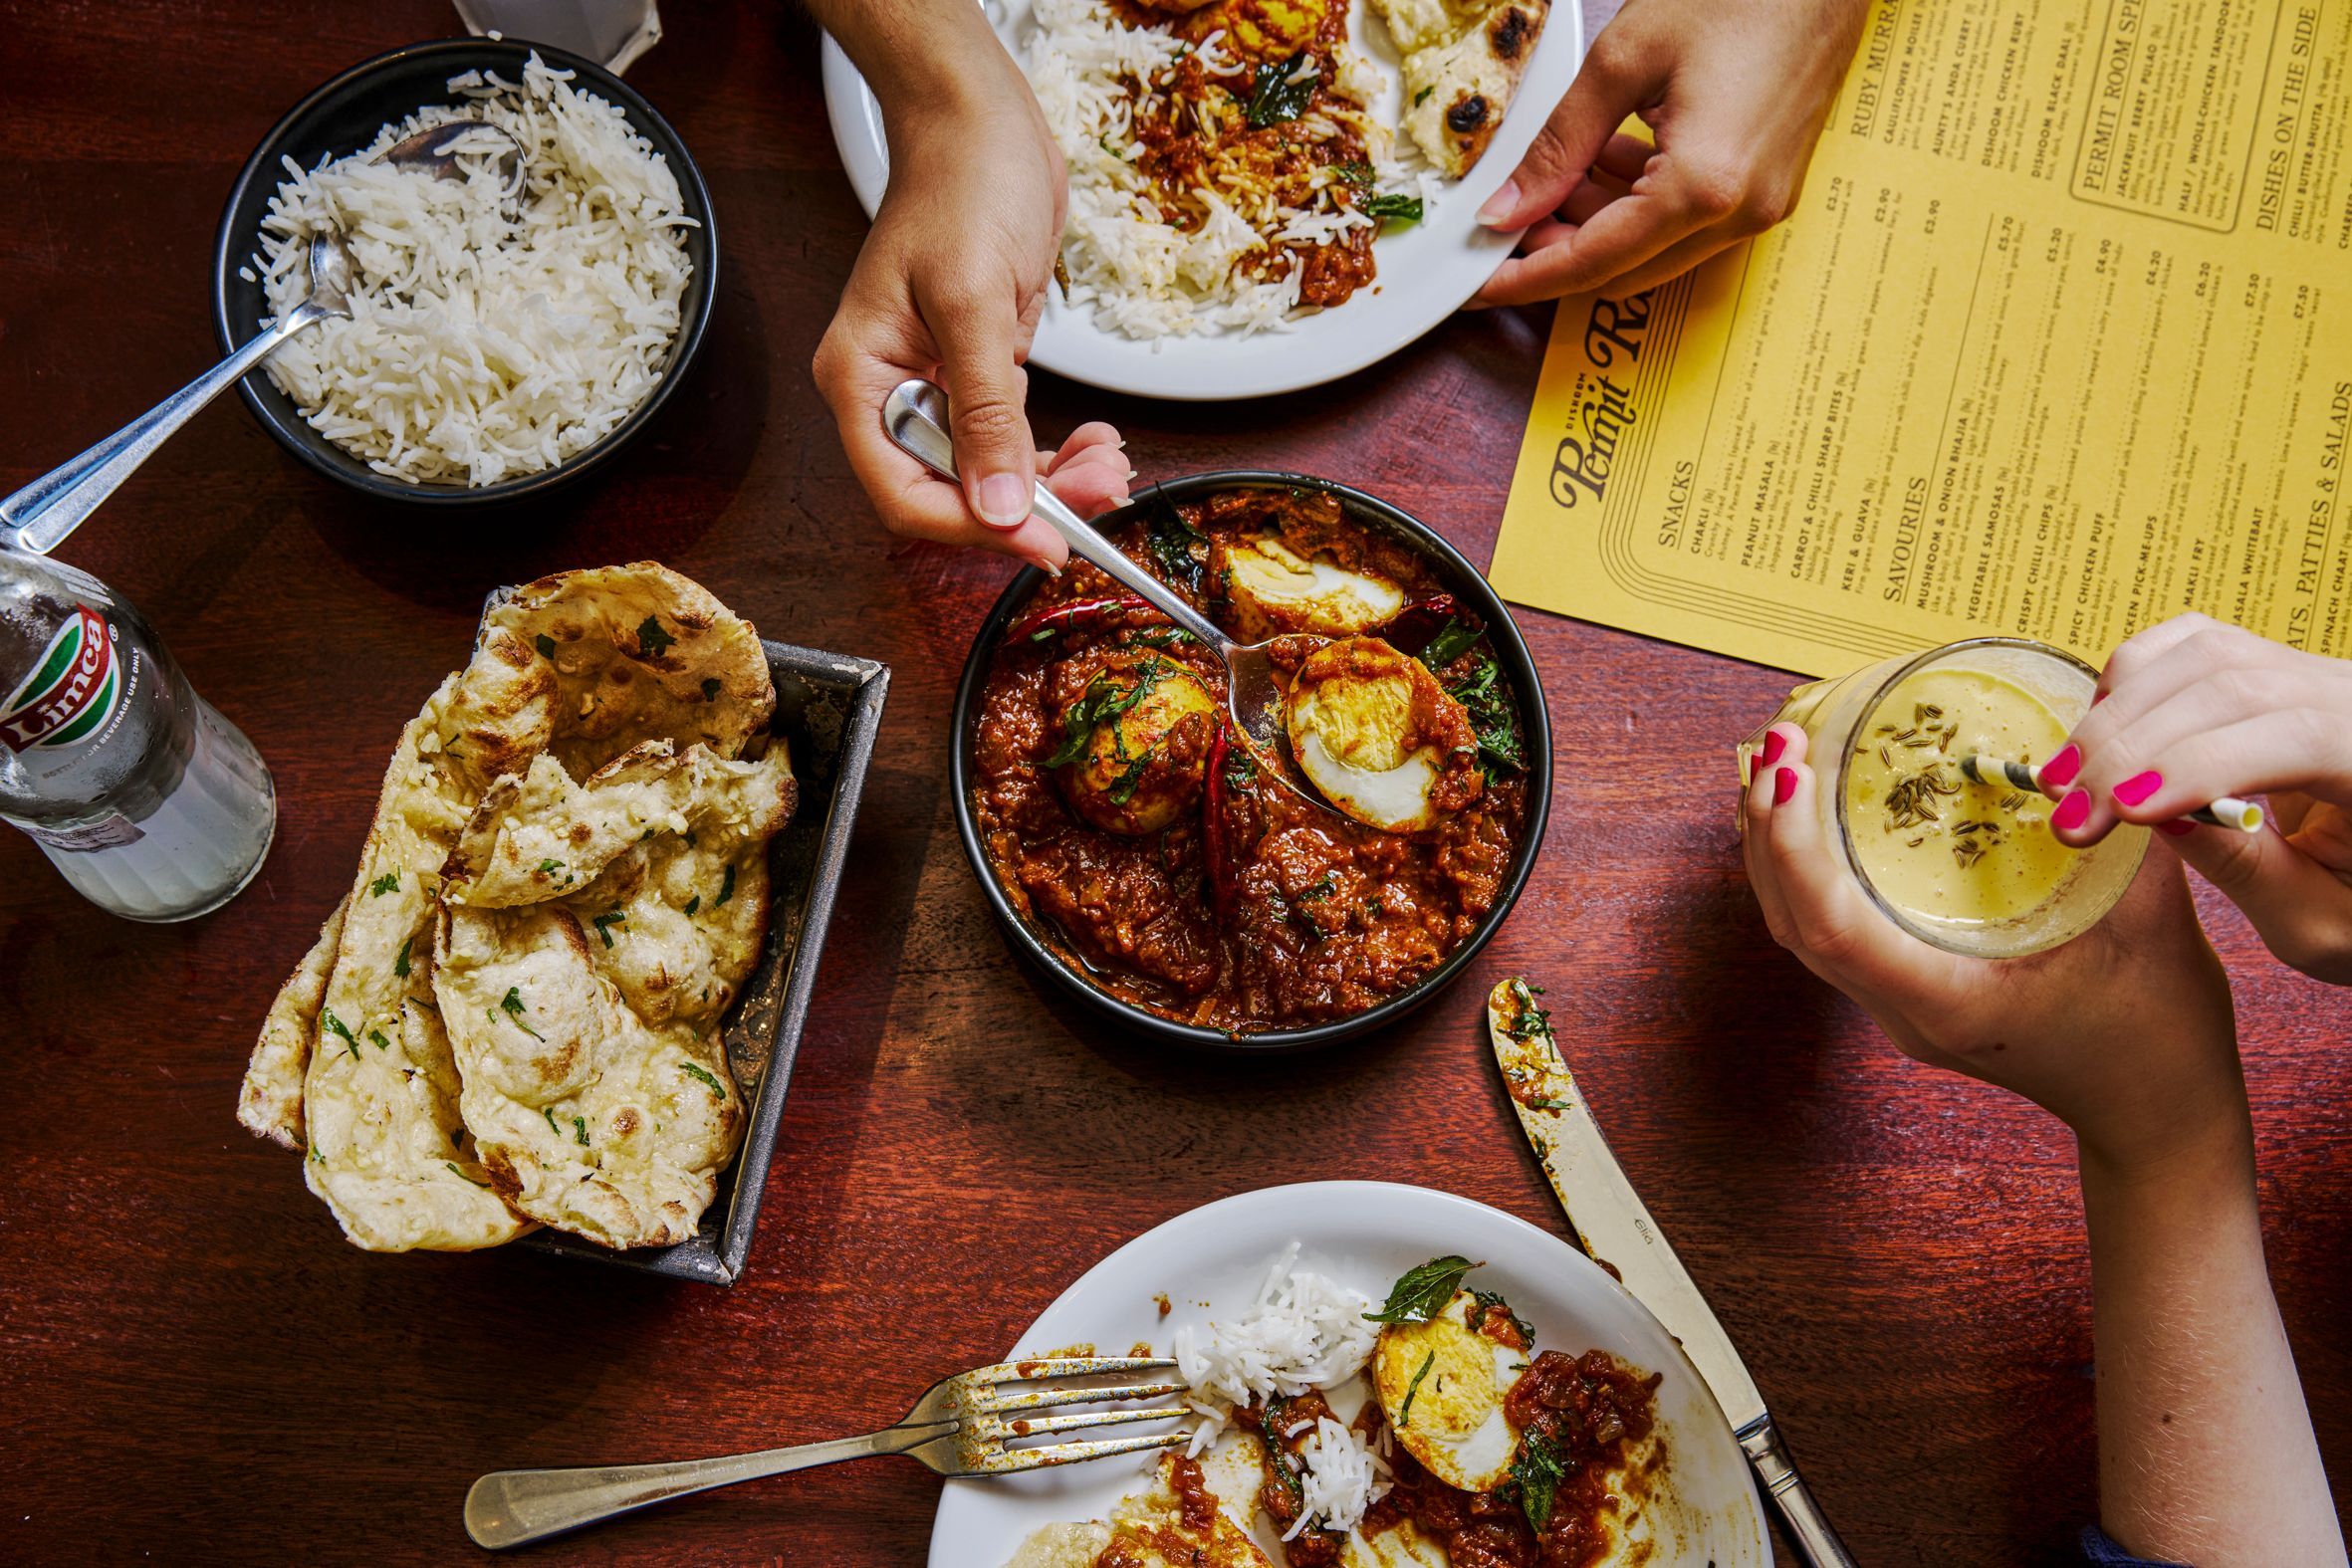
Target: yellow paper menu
x,y
2059,343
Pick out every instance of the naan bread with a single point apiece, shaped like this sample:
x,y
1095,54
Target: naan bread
x,y
1458,90
1414,25
641,655
270,1103
354,1063
387,1147
583,1005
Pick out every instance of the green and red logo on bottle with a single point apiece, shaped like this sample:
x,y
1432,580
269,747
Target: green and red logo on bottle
x,y
71,693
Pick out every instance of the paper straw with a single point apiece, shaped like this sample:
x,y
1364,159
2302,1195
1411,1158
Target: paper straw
x,y
2225,811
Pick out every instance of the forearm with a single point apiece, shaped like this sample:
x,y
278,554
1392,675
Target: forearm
x,y
2205,1449
912,52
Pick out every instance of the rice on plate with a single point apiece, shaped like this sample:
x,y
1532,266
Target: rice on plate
x,y
490,338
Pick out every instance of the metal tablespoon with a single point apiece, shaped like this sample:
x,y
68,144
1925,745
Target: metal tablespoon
x,y
915,416
39,516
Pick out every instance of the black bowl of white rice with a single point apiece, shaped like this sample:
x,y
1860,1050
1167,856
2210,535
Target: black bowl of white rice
x,y
500,343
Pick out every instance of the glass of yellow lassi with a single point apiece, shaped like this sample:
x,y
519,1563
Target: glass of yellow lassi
x,y
1968,867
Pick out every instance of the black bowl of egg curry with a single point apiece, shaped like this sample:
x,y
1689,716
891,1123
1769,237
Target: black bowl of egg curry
x,y
1140,855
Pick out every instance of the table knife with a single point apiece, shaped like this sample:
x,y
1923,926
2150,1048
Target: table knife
x,y
1618,1232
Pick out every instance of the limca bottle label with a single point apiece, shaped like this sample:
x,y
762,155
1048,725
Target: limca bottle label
x,y
73,691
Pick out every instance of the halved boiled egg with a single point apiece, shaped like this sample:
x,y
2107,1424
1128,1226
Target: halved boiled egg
x,y
1275,590
1442,1385
1380,738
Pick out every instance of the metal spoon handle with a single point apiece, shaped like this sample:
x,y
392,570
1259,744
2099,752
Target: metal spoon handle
x,y
915,416
39,516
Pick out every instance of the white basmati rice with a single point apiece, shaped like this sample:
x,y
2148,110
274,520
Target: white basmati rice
x,y
485,344
1302,1331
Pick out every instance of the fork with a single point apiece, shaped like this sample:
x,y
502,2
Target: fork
x,y
963,1425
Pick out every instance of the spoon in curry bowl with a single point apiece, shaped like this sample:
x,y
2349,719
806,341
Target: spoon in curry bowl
x,y
39,516
915,416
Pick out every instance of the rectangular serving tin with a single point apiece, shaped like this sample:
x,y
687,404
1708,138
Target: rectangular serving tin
x,y
829,707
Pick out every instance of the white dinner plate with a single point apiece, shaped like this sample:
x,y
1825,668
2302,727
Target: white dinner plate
x,y
1426,271
1211,1261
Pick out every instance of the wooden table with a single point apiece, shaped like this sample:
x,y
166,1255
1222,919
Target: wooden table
x,y
195,1368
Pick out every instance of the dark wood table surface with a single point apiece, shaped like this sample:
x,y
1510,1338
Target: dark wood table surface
x,y
194,1367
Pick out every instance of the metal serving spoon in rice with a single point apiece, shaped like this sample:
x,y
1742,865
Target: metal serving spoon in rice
x,y
39,516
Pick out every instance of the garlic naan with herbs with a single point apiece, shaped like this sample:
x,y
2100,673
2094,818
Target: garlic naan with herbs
x,y
355,1064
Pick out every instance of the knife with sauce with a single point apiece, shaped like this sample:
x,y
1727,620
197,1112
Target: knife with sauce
x,y
1618,1232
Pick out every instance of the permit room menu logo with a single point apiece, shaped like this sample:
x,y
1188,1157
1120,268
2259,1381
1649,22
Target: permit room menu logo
x,y
73,691
1601,403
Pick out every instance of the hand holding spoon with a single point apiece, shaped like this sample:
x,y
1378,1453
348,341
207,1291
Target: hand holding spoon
x,y
915,416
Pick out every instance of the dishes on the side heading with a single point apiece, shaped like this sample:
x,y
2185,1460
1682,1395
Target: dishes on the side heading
x,y
496,332
512,1020
1117,809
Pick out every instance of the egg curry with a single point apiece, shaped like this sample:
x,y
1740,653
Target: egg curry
x,y
1128,821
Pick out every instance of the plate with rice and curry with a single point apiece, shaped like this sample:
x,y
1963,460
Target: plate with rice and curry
x,y
1379,1376
1264,194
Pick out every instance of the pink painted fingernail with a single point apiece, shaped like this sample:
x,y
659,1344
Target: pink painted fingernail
x,y
2060,770
1499,205
2177,827
2138,788
1783,785
1774,744
2072,811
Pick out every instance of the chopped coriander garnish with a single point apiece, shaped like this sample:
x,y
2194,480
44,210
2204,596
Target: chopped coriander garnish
x,y
651,640
390,882
550,868
1391,207
512,1002
457,1134
1422,97
545,644
461,1176
1170,543
1537,1472
1358,174
1451,642
337,1025
693,903
1492,1300
605,922
726,887
376,1036
1277,1458
1278,93
711,689
1122,789
711,1082
553,1125
1404,1411
1422,1293
579,1131
1322,889
401,959
1103,701
1491,717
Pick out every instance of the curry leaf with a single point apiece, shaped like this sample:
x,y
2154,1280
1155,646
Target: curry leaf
x,y
1424,1291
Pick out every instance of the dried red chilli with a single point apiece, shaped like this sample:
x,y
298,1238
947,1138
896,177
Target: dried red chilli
x,y
1216,828
1074,616
1413,628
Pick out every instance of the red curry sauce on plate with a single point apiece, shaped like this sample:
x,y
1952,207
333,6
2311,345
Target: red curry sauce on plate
x,y
1239,906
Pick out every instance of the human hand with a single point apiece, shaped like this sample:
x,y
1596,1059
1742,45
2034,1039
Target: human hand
x,y
951,282
2125,1033
2194,708
1735,93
